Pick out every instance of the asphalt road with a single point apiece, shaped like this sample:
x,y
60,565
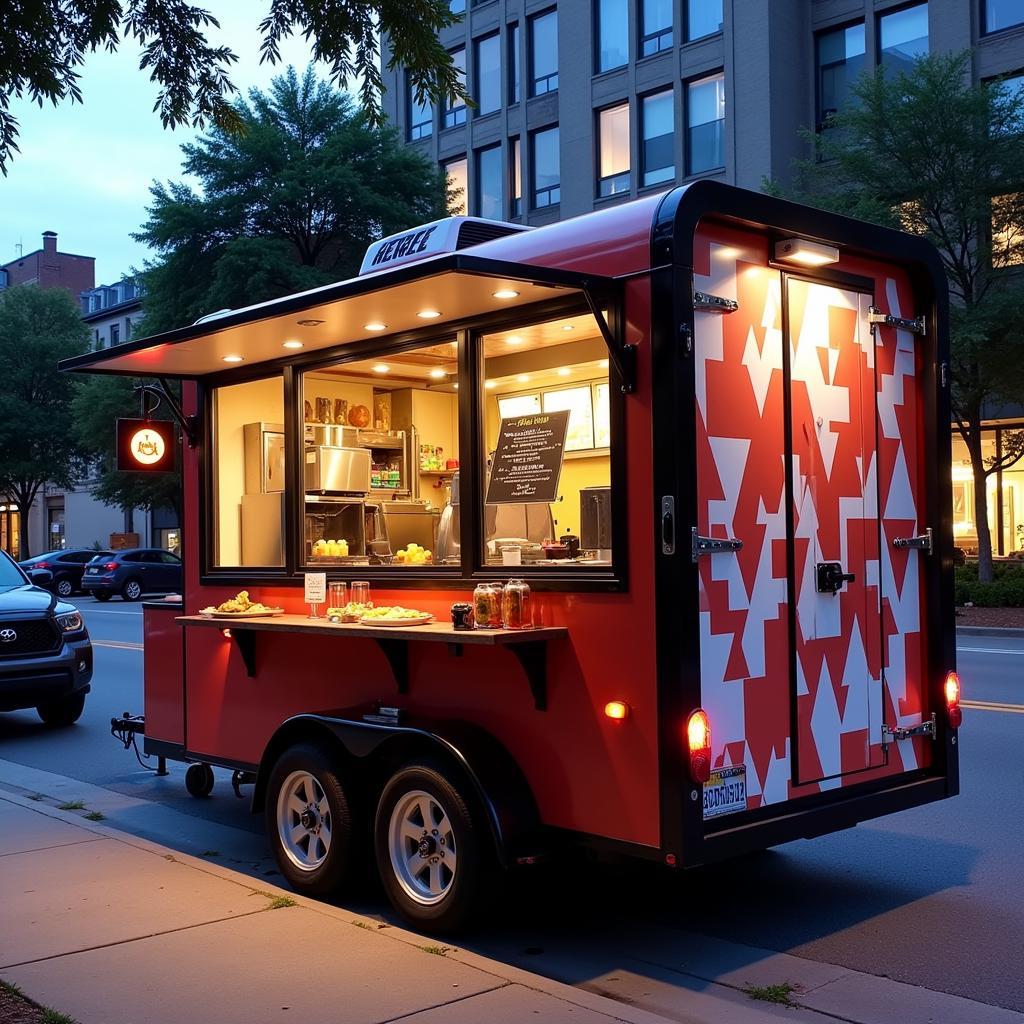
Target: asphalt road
x,y
930,897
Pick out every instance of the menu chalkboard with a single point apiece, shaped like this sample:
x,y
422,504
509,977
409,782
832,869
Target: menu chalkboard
x,y
528,459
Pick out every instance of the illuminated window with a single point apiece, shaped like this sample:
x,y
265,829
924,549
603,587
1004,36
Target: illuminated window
x,y
1008,230
613,140
515,177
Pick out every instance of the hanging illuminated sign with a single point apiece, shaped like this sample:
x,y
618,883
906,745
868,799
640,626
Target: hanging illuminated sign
x,y
145,446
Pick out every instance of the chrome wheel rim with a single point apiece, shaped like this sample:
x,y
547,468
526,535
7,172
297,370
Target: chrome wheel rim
x,y
422,847
133,590
304,821
64,588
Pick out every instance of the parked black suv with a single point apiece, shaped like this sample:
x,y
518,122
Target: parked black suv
x,y
133,573
67,568
45,653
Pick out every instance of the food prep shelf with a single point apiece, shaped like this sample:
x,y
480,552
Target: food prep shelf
x,y
528,646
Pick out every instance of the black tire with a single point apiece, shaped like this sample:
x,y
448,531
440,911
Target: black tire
x,y
199,780
339,867
132,590
64,586
60,713
102,595
468,889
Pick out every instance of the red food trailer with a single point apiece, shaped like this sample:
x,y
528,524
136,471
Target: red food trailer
x,y
709,429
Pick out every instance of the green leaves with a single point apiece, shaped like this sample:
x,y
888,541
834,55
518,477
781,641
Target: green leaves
x,y
44,43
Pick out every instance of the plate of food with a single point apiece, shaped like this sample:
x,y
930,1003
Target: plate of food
x,y
351,612
240,607
395,616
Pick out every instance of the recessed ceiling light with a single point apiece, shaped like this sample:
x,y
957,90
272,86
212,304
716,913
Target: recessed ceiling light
x,y
429,314
456,385
292,344
513,339
232,359
564,371
375,325
523,378
506,293
490,384
381,368
310,323
568,327
603,364
438,374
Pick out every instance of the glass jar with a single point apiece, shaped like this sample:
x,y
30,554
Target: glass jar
x,y
337,594
361,593
516,606
487,605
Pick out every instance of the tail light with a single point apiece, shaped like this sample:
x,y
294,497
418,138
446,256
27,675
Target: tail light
x,y
954,712
111,566
42,565
698,740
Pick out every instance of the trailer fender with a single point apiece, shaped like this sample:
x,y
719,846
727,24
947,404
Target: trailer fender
x,y
369,752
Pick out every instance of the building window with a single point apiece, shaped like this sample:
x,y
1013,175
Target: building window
x,y
487,65
840,57
703,18
655,26
115,334
613,156
532,370
421,121
544,53
248,473
458,185
1007,230
546,173
1000,14
455,107
514,64
515,178
612,34
904,37
705,114
657,119
127,328
457,6
489,200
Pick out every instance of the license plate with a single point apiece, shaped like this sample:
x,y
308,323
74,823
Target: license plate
x,y
92,572
725,792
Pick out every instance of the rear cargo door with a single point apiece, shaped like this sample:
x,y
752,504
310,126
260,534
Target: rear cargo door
x,y
833,554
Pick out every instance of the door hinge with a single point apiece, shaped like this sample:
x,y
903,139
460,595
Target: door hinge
x,y
714,303
711,545
891,735
876,316
923,542
686,338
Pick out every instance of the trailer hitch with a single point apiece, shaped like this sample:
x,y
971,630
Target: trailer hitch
x,y
125,730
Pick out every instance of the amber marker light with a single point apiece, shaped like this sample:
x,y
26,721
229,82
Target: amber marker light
x,y
698,739
227,633
616,710
952,694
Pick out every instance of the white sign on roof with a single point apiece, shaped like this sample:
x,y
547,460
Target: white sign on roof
x,y
415,244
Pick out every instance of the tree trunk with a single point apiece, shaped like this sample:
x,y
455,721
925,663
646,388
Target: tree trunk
x,y
980,504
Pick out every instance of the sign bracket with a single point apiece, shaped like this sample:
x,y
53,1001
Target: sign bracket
x,y
162,392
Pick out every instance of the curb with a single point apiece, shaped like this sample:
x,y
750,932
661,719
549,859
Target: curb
x,y
993,631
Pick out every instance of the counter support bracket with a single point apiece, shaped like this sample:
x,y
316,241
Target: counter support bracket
x,y
245,641
533,657
397,653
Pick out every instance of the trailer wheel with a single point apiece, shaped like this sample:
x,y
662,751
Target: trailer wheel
x,y
199,780
432,851
309,822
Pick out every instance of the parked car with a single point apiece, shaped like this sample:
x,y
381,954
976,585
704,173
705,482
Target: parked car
x,y
132,573
67,568
45,653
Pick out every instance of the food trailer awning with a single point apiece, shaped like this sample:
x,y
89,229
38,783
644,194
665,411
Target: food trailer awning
x,y
444,289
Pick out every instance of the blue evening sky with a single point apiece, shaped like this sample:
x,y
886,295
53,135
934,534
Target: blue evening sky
x,y
84,170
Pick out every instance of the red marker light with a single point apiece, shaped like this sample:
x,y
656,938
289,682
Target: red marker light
x,y
951,690
111,566
698,740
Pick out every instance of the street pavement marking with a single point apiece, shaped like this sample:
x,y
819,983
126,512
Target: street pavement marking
x,y
122,645
991,650
989,705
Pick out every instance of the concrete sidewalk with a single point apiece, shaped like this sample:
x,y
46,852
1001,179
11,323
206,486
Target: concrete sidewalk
x,y
107,927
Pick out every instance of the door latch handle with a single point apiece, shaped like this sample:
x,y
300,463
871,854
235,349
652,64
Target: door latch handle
x,y
830,577
668,525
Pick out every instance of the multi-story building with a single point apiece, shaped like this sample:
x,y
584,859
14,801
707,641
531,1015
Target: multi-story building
x,y
579,105
111,310
49,268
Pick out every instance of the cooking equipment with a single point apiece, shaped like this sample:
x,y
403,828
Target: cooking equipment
x,y
410,522
263,444
596,521
331,470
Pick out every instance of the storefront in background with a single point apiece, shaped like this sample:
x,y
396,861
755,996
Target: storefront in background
x,y
10,529
1004,492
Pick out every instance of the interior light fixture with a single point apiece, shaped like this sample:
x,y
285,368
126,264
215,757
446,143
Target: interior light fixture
x,y
603,364
438,374
523,378
506,293
232,359
375,325
513,339
807,254
568,327
564,371
292,344
310,323
429,314
381,368
490,384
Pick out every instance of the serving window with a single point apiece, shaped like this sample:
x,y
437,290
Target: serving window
x,y
547,478
381,461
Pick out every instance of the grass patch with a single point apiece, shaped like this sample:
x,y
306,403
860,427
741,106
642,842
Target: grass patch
x,y
72,805
95,816
781,994
435,950
55,1017
9,986
280,902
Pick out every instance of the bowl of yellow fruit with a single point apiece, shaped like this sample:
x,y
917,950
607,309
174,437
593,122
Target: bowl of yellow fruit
x,y
395,616
413,554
